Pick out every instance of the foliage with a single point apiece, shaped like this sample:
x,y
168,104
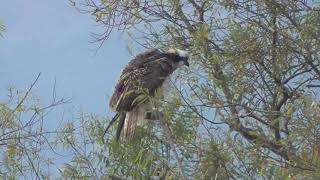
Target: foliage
x,y
2,29
247,108
249,105
27,148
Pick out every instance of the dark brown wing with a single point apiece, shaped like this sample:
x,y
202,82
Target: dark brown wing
x,y
141,59
143,75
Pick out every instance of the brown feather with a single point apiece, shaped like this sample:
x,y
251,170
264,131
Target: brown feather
x,y
131,123
140,78
142,75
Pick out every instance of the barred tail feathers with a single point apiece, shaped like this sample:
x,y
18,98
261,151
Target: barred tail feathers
x,y
134,118
130,123
121,123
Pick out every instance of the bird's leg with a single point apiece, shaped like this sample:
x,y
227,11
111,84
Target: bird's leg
x,y
148,115
152,115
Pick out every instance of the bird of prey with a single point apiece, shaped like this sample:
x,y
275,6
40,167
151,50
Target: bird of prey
x,y
140,79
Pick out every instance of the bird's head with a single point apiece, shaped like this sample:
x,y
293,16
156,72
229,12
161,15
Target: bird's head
x,y
179,57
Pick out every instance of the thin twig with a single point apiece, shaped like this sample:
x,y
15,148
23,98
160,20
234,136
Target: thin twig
x,y
27,93
168,134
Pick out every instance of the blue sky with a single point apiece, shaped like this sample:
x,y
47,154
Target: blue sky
x,y
51,37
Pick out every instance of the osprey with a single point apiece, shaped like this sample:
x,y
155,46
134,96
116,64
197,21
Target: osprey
x,y
140,79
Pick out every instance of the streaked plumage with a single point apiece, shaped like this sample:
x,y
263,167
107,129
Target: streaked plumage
x,y
140,79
